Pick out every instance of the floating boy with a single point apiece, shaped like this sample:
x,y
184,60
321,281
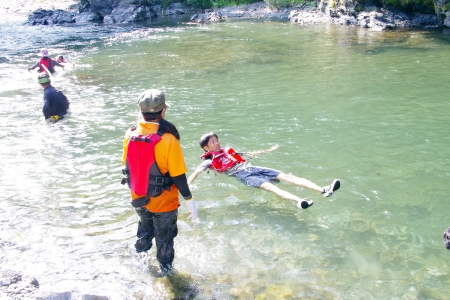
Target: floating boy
x,y
231,163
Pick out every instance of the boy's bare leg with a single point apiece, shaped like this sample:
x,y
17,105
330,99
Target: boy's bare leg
x,y
285,195
299,181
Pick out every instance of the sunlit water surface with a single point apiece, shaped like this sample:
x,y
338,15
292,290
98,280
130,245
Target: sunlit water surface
x,y
370,108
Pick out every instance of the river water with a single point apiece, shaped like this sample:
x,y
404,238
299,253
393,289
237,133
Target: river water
x,y
369,108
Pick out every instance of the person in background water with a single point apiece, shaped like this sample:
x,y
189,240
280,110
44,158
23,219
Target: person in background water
x,y
56,104
227,161
61,59
45,63
157,214
446,238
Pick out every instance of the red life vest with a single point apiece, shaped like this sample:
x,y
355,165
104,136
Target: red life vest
x,y
223,160
143,175
45,61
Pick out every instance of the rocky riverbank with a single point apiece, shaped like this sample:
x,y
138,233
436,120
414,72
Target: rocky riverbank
x,y
49,12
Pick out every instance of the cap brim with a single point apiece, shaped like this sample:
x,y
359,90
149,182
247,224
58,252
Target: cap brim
x,y
43,80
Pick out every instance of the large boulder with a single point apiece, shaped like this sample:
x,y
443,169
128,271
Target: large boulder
x,y
102,7
50,17
88,17
129,13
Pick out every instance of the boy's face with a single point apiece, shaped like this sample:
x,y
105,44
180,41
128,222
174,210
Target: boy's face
x,y
213,144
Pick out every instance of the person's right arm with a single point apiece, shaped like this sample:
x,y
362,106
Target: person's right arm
x,y
34,66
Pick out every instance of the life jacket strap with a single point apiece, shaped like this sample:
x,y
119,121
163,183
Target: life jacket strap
x,y
144,139
140,202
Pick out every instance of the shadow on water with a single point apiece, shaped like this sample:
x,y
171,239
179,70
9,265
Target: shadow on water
x,y
174,285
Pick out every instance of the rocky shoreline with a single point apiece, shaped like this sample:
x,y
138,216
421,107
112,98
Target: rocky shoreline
x,y
62,12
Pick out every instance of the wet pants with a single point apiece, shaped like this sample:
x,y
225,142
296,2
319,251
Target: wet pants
x,y
162,227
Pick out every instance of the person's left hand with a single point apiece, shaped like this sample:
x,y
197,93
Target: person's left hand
x,y
192,207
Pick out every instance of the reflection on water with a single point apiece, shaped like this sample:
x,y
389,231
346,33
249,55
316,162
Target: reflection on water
x,y
367,107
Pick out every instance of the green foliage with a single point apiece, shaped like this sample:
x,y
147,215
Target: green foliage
x,y
283,3
200,3
410,5
223,3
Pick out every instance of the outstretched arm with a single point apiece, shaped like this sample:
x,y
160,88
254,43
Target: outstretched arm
x,y
256,153
194,175
33,66
203,166
55,63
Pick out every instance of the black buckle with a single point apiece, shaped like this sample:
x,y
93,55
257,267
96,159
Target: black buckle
x,y
139,202
145,139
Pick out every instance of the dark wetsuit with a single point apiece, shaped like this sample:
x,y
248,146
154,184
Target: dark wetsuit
x,y
55,103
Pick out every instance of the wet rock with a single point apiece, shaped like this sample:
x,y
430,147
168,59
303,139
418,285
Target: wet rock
x,y
176,9
88,17
45,295
50,17
129,13
14,286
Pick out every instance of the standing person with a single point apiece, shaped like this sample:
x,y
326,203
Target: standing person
x,y
45,63
227,161
156,171
56,103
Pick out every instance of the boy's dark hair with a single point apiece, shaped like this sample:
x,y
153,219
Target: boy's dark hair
x,y
164,125
205,139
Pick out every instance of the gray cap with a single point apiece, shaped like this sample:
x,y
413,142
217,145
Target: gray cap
x,y
152,100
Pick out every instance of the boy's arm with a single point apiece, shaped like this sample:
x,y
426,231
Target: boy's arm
x,y
194,175
256,153
202,167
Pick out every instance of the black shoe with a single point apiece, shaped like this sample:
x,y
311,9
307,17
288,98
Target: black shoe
x,y
305,204
330,189
143,244
165,267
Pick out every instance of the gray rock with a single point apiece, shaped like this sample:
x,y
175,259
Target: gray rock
x,y
5,281
48,295
447,20
88,17
130,13
94,297
176,9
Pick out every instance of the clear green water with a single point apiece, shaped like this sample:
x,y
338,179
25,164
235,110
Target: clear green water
x,y
369,108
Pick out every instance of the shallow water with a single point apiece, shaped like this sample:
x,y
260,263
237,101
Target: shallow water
x,y
369,108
